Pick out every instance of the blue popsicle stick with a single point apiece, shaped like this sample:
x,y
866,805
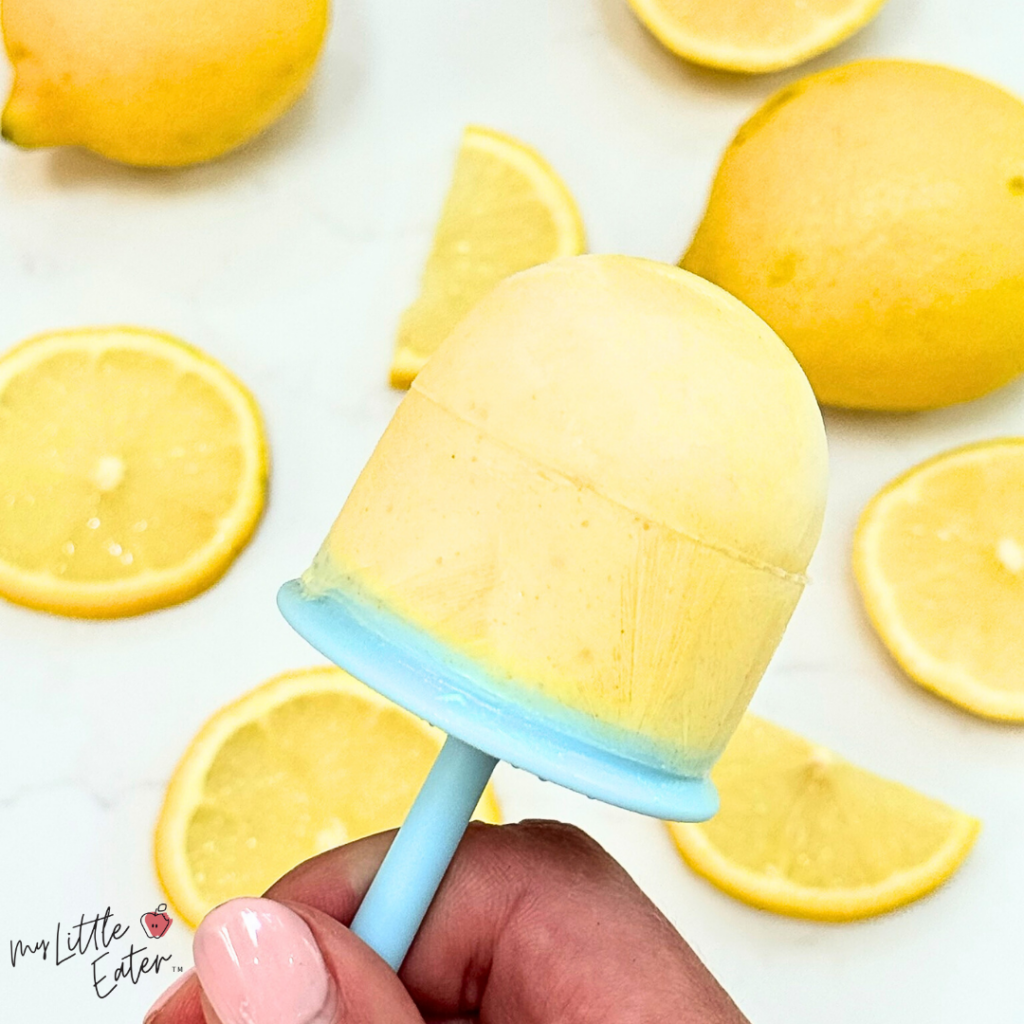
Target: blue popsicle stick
x,y
397,900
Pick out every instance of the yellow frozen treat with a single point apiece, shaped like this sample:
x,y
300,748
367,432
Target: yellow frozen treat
x,y
602,491
575,549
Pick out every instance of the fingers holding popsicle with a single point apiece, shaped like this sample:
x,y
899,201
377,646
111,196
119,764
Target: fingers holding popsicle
x,y
533,922
260,961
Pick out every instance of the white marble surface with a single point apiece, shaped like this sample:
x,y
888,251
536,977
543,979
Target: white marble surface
x,y
291,261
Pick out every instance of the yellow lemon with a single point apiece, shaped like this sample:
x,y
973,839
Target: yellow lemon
x,y
939,557
160,83
803,832
506,211
873,215
308,761
753,35
133,470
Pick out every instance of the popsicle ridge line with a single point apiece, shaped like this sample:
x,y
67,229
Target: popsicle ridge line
x,y
582,483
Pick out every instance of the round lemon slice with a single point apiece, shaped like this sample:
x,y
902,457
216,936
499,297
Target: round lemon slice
x,y
308,761
939,558
753,35
133,469
506,210
803,832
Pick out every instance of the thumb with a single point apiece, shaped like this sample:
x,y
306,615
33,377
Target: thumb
x,y
260,961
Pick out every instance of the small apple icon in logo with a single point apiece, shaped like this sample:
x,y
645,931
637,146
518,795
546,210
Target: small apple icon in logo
x,y
156,923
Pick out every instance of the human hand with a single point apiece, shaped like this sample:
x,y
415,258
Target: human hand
x,y
533,924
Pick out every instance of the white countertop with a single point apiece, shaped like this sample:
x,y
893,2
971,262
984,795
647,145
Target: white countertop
x,y
291,261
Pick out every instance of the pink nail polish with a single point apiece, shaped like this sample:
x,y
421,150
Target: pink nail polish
x,y
259,964
166,997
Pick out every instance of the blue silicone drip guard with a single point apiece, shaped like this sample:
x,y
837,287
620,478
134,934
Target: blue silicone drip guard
x,y
445,689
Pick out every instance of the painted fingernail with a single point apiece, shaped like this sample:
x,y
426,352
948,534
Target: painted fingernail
x,y
258,963
167,995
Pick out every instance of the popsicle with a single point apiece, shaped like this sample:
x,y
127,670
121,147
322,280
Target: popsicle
x,y
575,548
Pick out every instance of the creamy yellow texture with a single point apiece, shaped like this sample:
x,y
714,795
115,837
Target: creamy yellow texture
x,y
604,486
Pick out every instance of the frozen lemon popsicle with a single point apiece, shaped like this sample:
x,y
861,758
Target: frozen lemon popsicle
x,y
581,537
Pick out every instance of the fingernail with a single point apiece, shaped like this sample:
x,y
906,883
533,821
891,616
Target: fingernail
x,y
166,997
258,963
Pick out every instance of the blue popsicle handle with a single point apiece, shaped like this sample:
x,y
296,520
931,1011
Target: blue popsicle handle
x,y
397,900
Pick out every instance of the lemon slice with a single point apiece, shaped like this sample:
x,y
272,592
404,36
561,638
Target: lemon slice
x,y
804,833
307,761
506,211
939,557
753,35
132,471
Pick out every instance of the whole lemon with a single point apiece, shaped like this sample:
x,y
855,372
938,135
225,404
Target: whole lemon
x,y
873,215
155,82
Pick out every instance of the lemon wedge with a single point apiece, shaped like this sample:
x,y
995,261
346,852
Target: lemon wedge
x,y
939,558
308,761
506,211
133,469
803,832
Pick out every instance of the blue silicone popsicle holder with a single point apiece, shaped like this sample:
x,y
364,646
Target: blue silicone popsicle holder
x,y
484,725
